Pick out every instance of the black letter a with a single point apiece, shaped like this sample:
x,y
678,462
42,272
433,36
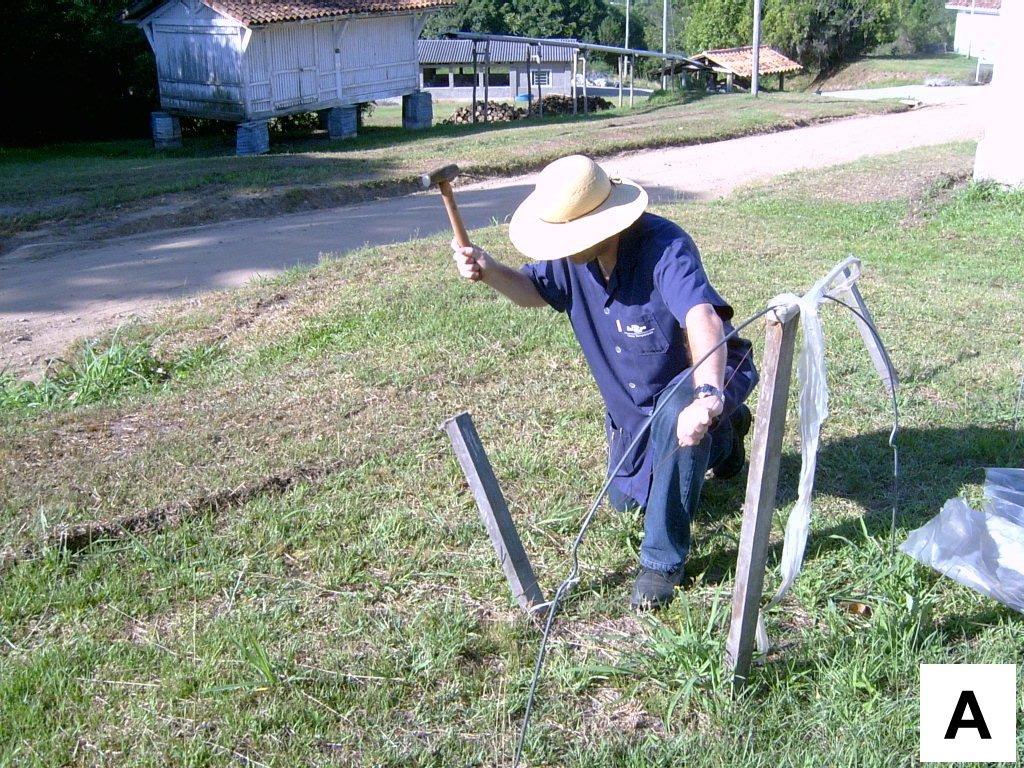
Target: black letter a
x,y
967,699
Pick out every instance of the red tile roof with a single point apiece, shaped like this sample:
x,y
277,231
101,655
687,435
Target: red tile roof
x,y
253,12
979,5
738,61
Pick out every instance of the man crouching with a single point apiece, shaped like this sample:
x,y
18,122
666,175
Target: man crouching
x,y
643,310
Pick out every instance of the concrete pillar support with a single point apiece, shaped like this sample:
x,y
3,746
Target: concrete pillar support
x,y
417,111
342,122
252,138
166,130
1000,155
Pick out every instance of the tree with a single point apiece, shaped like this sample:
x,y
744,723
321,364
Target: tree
x,y
715,24
72,70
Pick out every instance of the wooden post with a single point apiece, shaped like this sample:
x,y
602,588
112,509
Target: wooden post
x,y
540,93
586,106
487,81
575,68
632,64
494,511
475,79
762,483
529,84
782,81
622,72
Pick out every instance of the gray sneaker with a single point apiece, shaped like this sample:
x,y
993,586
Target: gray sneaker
x,y
655,589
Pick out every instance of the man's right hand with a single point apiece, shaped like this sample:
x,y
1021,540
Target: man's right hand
x,y
469,261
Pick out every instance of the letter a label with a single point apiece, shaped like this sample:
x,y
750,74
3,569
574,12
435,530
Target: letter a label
x,y
968,713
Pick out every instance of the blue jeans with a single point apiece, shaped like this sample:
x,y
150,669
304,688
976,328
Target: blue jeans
x,y
676,482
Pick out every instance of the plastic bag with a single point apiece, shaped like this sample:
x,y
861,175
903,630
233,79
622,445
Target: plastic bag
x,y
983,550
812,407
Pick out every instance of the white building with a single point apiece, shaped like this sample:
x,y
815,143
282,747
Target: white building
x,y
977,27
249,60
515,68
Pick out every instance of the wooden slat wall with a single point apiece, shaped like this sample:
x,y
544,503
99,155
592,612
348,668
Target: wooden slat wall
x,y
211,66
198,58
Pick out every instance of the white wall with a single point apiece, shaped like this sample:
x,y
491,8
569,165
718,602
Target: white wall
x,y
198,60
378,58
975,34
301,67
1000,155
210,65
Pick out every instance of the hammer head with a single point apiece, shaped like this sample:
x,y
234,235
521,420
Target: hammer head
x,y
447,173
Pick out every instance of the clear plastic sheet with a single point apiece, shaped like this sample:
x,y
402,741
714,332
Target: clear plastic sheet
x,y
813,410
981,549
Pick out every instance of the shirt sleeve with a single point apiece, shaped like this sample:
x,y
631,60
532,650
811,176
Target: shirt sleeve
x,y
551,280
680,278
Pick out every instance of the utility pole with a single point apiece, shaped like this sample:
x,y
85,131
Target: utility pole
x,y
755,54
627,25
664,40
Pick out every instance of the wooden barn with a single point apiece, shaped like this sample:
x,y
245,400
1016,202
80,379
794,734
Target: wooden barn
x,y
250,60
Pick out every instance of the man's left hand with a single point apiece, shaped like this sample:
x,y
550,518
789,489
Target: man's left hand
x,y
695,420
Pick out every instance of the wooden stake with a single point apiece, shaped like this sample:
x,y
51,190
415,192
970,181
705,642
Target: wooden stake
x,y
494,511
762,483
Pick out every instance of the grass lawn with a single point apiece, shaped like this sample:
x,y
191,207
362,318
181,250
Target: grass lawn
x,y
142,189
313,586
883,71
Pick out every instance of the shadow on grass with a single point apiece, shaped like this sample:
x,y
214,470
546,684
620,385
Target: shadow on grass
x,y
935,464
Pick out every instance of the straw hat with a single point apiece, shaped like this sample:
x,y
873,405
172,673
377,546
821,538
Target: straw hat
x,y
574,207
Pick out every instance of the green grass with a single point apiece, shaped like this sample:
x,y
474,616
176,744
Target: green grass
x,y
360,618
132,187
99,373
879,71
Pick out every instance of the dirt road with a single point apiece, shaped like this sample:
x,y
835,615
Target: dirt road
x,y
54,292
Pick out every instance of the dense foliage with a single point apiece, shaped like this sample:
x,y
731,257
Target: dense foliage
x,y
72,70
819,33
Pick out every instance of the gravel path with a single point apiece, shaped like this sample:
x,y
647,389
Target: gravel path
x,y
54,292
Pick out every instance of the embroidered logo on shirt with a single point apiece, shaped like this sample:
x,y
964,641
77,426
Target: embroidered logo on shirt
x,y
635,330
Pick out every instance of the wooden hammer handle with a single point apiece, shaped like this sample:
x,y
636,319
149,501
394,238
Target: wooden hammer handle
x,y
461,235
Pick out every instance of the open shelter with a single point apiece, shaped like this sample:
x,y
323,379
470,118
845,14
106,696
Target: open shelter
x,y
736,65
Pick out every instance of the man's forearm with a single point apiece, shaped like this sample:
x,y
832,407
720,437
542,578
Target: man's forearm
x,y
704,330
511,283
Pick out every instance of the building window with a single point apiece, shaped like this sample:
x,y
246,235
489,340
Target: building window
x,y
499,76
434,77
463,77
540,77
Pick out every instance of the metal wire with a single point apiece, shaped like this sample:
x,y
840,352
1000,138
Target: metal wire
x,y
895,420
574,570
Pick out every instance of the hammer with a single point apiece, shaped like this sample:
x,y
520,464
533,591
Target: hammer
x,y
443,177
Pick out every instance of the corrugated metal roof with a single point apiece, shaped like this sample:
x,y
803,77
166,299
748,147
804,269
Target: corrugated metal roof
x,y
502,52
978,5
255,12
738,61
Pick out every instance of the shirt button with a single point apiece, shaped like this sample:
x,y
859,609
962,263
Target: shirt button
x,y
607,311
632,385
618,350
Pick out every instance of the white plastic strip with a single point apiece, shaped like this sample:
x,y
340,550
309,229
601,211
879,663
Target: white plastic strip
x,y
813,410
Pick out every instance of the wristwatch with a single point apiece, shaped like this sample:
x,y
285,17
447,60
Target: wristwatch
x,y
706,390
710,390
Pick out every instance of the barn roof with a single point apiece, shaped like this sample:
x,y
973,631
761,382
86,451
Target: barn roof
x,y
255,12
738,61
502,52
977,5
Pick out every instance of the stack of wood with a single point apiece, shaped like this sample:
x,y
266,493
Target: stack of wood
x,y
562,105
498,112
495,111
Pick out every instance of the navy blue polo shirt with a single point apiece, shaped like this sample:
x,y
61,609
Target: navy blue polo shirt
x,y
631,330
